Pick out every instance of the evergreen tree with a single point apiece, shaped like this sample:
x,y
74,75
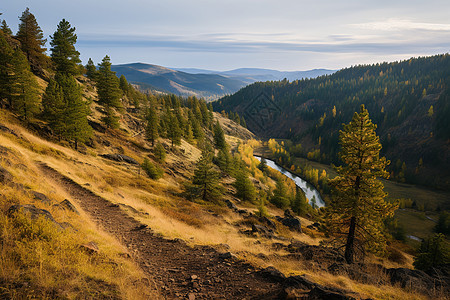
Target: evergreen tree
x,y
24,87
263,165
152,124
300,204
5,28
160,153
219,137
54,106
173,129
225,161
245,190
91,70
65,109
111,119
280,197
6,69
358,209
206,180
123,84
188,133
31,38
64,55
108,90
153,171
433,252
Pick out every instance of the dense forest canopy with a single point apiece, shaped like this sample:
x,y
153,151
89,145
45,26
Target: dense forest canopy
x,y
408,100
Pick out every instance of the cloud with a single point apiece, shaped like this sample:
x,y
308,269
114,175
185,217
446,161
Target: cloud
x,y
402,24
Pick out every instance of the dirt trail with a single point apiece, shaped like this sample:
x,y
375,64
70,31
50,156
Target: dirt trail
x,y
177,270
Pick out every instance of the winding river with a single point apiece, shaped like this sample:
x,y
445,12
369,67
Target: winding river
x,y
310,191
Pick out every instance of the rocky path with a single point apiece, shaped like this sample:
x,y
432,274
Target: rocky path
x,y
178,271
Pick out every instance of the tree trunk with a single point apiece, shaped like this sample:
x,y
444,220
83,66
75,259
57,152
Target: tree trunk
x,y
349,246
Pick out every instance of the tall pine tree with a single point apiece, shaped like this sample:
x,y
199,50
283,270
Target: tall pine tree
x,y
32,39
206,180
63,53
24,88
152,124
357,209
65,109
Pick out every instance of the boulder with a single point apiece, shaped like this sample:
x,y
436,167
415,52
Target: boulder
x,y
90,247
67,205
288,213
261,229
293,224
268,222
33,212
120,158
40,197
408,278
231,205
5,176
273,274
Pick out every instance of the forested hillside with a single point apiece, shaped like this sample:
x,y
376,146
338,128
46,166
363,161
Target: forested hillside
x,y
408,100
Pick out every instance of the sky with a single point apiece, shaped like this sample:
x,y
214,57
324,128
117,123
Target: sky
x,y
223,35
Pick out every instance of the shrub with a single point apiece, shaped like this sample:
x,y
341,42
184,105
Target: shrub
x,y
154,172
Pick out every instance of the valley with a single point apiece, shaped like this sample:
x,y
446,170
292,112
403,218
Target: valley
x,y
137,181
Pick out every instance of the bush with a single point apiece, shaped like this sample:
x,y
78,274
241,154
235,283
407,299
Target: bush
x,y
160,153
154,172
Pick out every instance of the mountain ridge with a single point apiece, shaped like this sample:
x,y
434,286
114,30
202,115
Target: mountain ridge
x,y
208,84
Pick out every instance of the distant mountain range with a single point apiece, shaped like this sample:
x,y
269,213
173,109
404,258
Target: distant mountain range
x,y
207,84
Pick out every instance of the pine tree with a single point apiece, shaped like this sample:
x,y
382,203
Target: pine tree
x,y
152,124
91,70
160,153
123,84
225,161
5,28
108,90
31,39
357,209
433,252
6,69
206,180
173,129
24,87
65,109
300,204
245,190
188,133
64,55
219,137
280,197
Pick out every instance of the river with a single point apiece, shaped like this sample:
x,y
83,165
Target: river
x,y
310,191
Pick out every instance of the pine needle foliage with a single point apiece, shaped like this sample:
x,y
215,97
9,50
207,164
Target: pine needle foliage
x,y
357,209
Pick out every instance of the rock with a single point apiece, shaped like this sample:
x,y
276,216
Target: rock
x,y
273,274
90,247
226,255
66,204
5,176
411,278
231,205
40,197
261,229
120,158
242,212
293,224
288,213
268,222
33,212
325,294
191,296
